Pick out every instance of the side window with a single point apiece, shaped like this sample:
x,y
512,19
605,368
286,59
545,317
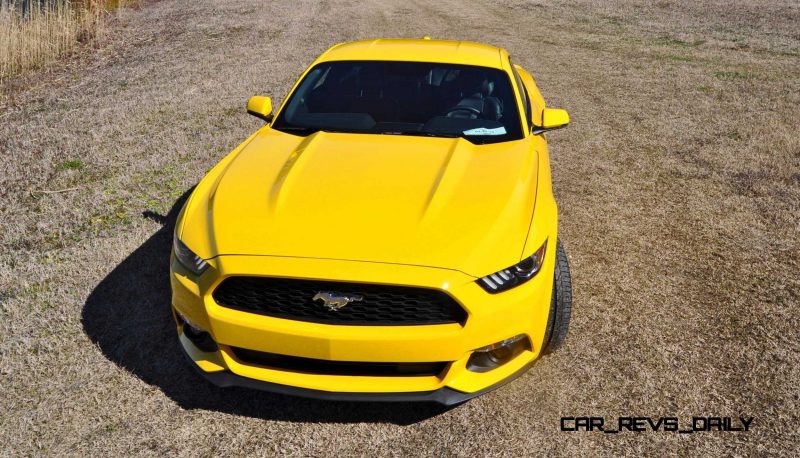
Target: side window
x,y
526,102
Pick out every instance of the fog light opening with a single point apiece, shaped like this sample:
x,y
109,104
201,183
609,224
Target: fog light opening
x,y
495,355
199,337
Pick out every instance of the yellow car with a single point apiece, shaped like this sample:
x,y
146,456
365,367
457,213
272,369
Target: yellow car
x,y
390,234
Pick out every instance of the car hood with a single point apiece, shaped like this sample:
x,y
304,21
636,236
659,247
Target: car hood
x,y
438,202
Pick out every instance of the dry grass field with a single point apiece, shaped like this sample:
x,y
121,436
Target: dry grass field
x,y
49,30
678,184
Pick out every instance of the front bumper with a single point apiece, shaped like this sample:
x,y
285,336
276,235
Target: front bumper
x,y
445,396
491,318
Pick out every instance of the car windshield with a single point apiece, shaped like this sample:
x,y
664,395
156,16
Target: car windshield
x,y
404,98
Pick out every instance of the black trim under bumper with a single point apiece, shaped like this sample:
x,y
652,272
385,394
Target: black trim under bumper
x,y
445,396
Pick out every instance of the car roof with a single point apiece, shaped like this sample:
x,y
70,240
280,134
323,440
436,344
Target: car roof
x,y
418,50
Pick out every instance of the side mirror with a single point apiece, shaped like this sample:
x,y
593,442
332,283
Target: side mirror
x,y
552,118
260,107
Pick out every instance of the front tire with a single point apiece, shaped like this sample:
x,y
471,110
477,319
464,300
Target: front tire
x,y
560,304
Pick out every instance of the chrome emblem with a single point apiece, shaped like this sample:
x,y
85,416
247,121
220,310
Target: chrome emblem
x,y
334,302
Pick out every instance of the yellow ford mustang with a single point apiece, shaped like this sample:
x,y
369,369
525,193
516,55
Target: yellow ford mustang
x,y
391,234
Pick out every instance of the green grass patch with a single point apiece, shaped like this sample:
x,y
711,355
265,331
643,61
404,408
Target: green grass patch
x,y
71,164
731,75
115,214
734,135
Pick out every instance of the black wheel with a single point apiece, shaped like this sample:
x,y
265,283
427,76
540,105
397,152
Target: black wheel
x,y
560,304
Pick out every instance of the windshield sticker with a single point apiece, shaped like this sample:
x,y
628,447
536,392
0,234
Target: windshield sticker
x,y
484,131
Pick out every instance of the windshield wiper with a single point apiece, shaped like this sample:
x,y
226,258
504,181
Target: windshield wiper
x,y
421,134
312,130
309,130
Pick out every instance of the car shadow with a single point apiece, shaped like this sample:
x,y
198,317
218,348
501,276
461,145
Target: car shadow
x,y
128,316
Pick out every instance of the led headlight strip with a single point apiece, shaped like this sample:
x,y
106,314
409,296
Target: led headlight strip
x,y
188,258
515,275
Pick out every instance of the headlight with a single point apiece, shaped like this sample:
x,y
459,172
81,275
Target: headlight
x,y
516,274
187,258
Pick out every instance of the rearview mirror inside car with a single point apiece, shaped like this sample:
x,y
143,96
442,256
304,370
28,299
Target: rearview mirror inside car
x,y
552,118
260,107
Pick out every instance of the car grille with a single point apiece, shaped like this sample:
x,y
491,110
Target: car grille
x,y
327,367
381,304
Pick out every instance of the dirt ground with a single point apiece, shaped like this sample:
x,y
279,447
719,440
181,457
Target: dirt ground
x,y
678,184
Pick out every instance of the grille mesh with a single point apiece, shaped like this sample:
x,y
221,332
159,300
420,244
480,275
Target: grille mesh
x,y
381,304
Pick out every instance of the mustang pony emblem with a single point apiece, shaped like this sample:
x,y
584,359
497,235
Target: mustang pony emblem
x,y
334,302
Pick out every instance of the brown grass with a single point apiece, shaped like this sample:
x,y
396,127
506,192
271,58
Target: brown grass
x,y
678,185
47,33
